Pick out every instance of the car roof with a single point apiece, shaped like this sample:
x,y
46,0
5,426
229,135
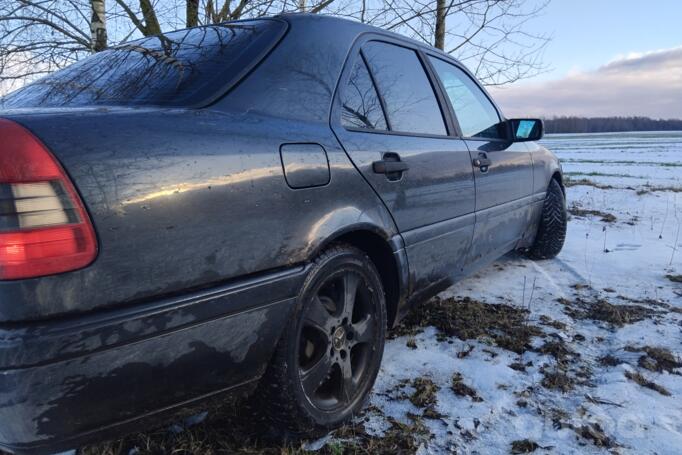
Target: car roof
x,y
350,25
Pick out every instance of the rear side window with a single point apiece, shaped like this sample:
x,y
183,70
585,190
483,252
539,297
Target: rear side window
x,y
411,104
360,105
477,116
181,68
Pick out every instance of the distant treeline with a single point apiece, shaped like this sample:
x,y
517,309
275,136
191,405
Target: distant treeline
x,y
609,124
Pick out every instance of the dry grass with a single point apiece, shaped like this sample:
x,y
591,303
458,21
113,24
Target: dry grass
x,y
602,310
658,359
558,350
425,393
546,320
524,446
557,379
609,361
400,438
594,433
222,438
568,182
644,382
464,390
469,319
584,213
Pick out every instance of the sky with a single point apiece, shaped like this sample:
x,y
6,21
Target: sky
x,y
606,57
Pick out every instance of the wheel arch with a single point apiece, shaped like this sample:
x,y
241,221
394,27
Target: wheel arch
x,y
391,265
560,180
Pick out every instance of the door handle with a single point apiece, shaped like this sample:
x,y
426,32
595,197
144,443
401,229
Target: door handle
x,y
482,162
391,166
387,167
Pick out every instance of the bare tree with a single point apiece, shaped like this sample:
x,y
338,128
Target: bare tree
x,y
490,36
192,13
40,36
98,26
441,13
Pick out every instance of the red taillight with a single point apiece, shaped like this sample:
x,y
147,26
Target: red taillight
x,y
44,228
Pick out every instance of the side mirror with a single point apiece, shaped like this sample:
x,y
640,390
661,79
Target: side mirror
x,y
524,130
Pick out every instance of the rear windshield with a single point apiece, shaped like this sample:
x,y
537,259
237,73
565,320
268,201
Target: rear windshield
x,y
182,68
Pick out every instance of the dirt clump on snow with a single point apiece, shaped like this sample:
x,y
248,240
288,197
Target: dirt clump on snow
x,y
524,446
594,433
602,310
425,391
568,182
644,382
580,212
657,359
556,379
467,319
460,388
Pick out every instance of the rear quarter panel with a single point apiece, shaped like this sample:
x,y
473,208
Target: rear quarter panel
x,y
182,199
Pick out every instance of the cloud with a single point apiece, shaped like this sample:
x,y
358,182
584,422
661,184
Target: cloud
x,y
647,84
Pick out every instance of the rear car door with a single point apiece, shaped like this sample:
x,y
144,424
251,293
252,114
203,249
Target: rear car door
x,y
389,119
503,170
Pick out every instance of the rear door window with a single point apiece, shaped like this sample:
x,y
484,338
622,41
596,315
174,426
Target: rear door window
x,y
476,115
360,104
410,102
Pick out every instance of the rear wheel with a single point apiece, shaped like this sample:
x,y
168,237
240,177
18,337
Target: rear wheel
x,y
552,229
329,355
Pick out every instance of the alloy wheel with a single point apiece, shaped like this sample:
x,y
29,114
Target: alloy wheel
x,y
337,340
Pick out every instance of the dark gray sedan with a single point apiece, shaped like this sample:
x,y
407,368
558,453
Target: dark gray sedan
x,y
240,206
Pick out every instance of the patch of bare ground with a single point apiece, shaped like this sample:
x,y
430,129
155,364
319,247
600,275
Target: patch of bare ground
x,y
609,361
644,382
568,371
648,188
657,359
594,433
524,446
556,379
652,302
568,182
400,438
217,435
460,388
558,349
601,310
467,319
220,436
546,320
591,431
580,212
674,278
518,366
425,391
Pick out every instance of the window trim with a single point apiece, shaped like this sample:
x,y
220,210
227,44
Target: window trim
x,y
380,97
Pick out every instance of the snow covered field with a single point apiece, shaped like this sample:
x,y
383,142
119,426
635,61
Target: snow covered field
x,y
599,315
580,354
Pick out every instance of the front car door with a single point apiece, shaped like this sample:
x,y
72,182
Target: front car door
x,y
388,117
503,170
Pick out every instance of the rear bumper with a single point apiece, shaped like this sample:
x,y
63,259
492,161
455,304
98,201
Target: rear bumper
x,y
68,382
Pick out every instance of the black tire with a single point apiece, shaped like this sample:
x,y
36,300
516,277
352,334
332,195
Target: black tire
x,y
321,335
552,229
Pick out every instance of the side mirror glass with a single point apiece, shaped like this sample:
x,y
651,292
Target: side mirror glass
x,y
523,130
